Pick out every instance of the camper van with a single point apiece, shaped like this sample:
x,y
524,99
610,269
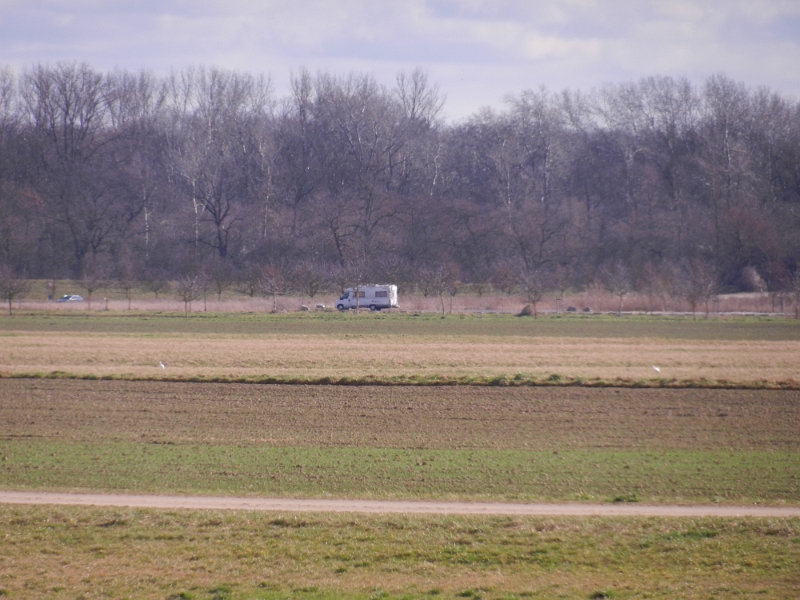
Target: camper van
x,y
372,296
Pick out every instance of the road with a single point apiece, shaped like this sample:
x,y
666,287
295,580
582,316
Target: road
x,y
391,506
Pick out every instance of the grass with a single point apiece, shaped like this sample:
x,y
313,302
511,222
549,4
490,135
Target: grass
x,y
741,477
407,349
70,551
81,426
412,442
518,380
406,324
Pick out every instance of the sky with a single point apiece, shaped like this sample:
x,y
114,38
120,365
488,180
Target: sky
x,y
477,51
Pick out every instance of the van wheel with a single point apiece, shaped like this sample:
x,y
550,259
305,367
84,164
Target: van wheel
x,y
373,308
340,307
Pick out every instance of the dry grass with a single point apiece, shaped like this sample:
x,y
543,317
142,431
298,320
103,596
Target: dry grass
x,y
318,356
595,299
96,553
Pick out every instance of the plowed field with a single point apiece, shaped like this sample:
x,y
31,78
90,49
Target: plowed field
x,y
463,442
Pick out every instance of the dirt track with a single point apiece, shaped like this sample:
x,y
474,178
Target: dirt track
x,y
406,507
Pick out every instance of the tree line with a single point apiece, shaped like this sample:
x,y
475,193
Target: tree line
x,y
206,173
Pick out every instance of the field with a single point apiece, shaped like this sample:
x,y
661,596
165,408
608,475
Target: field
x,y
464,442
402,347
100,553
700,443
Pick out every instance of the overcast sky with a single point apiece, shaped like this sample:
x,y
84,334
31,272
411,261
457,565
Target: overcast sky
x,y
476,50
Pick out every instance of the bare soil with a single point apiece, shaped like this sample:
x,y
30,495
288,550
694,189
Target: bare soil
x,y
447,417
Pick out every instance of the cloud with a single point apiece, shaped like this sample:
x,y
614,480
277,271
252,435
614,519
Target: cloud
x,y
478,50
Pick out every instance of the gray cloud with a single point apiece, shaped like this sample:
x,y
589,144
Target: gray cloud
x,y
477,50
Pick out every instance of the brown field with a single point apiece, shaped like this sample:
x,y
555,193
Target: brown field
x,y
332,355
455,442
459,442
661,446
447,417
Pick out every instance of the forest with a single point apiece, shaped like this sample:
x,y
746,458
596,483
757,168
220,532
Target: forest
x,y
207,173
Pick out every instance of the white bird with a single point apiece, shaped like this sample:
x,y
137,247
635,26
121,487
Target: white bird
x,y
162,365
656,369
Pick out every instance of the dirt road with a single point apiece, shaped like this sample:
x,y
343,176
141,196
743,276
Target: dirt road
x,y
406,507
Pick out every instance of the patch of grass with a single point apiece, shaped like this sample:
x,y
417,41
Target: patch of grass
x,y
502,442
514,475
413,557
391,349
399,323
428,381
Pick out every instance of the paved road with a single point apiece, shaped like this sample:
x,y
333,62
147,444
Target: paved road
x,y
403,507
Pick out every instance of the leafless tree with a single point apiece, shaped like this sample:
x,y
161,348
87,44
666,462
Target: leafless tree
x,y
440,280
221,278
157,285
95,277
67,105
126,281
795,288
309,278
699,285
273,282
248,281
532,286
11,287
205,283
617,280
187,290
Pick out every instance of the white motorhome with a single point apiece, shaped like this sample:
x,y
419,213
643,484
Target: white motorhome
x,y
372,296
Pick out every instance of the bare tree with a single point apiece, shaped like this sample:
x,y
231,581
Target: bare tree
x,y
221,278
561,279
453,287
532,286
157,285
795,288
354,273
503,279
187,290
205,283
249,281
68,107
617,280
699,285
11,287
94,277
439,281
212,148
309,278
273,282
126,282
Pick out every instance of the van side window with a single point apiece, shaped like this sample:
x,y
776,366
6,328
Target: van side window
x,y
381,294
361,294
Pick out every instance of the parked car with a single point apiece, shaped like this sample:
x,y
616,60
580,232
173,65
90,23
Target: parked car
x,y
70,298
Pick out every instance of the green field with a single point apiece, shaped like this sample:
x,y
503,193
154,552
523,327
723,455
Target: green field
x,y
402,442
123,553
402,324
699,444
